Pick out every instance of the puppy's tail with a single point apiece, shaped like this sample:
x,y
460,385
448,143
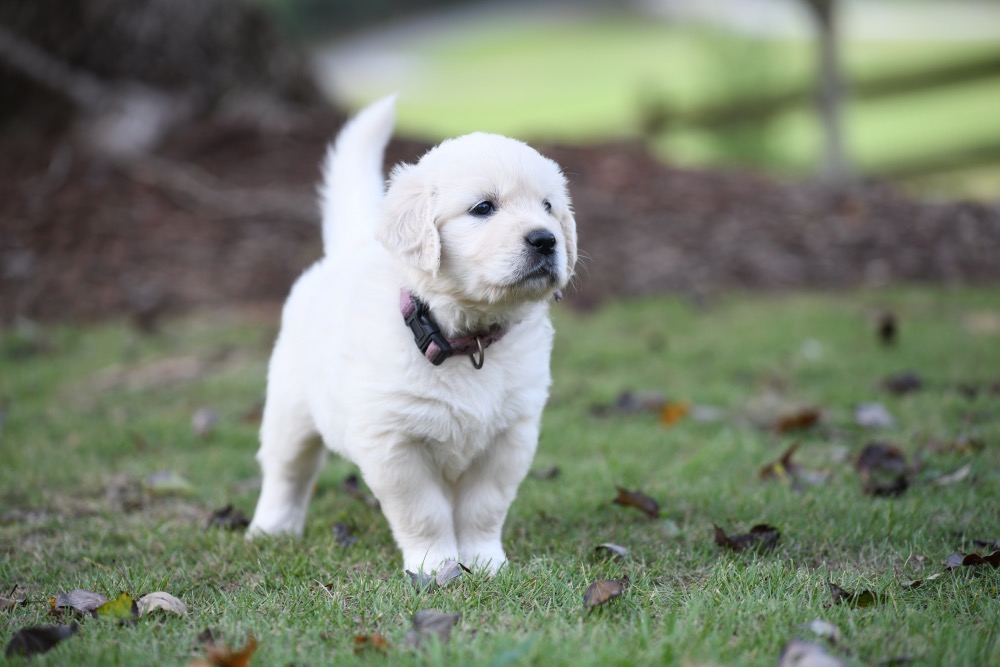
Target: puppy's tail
x,y
353,180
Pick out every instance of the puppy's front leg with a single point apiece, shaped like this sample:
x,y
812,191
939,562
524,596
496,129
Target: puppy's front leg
x,y
485,493
417,502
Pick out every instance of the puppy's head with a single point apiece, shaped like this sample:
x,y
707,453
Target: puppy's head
x,y
483,218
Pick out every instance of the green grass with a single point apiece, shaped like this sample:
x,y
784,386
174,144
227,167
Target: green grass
x,y
81,417
586,79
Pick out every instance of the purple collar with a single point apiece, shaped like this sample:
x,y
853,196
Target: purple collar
x,y
432,343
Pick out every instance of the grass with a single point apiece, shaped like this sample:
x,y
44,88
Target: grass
x,y
585,79
91,411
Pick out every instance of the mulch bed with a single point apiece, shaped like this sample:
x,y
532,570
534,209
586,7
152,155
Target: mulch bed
x,y
84,239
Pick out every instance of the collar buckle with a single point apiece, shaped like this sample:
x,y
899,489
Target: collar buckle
x,y
426,332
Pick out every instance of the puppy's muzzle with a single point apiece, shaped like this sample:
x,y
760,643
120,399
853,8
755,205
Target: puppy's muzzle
x,y
542,241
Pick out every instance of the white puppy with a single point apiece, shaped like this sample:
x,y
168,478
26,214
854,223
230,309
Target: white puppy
x,y
463,250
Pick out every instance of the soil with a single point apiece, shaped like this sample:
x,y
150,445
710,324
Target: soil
x,y
83,238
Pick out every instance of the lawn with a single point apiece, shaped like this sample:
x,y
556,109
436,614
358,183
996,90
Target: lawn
x,y
586,78
88,414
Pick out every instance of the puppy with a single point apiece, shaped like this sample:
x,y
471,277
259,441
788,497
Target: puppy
x,y
419,346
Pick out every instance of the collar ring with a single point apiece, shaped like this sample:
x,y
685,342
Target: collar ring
x,y
477,364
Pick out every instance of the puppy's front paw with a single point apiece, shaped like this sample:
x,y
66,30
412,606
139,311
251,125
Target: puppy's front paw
x,y
276,523
484,557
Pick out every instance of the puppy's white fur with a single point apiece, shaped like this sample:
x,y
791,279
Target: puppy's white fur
x,y
443,448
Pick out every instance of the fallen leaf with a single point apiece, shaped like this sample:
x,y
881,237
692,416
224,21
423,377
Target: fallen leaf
x,y
917,583
38,639
161,600
639,501
167,482
7,604
873,415
953,478
879,456
123,608
421,580
882,468
987,544
223,656
797,421
824,629
602,591
783,468
865,598
957,560
343,536
203,421
903,383
887,328
352,487
546,473
449,572
798,653
430,624
671,413
80,601
890,489
615,550
229,518
630,403
761,536
372,642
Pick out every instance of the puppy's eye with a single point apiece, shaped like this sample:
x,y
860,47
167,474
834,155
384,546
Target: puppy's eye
x,y
548,206
483,209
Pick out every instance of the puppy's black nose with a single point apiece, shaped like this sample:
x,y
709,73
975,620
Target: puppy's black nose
x,y
542,240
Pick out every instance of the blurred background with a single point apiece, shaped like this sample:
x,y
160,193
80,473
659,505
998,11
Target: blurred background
x,y
161,155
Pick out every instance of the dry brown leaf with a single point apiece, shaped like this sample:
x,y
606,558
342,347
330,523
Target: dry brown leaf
x,y
602,591
616,551
229,518
783,468
954,477
761,536
343,536
798,653
957,560
798,421
371,642
546,473
8,604
223,656
883,470
917,583
352,487
38,639
161,600
428,624
638,500
672,412
865,598
203,421
80,601
887,328
903,383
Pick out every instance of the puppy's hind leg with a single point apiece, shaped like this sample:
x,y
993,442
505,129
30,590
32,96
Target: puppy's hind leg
x,y
291,456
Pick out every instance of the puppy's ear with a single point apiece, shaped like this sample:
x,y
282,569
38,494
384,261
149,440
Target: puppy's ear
x,y
568,224
408,228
